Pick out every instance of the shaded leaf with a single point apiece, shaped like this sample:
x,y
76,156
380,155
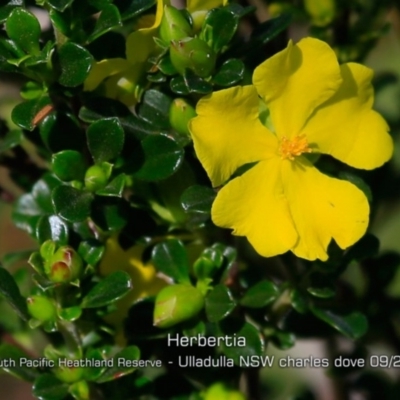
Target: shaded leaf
x,y
219,303
75,62
108,290
105,139
10,291
170,258
71,204
260,295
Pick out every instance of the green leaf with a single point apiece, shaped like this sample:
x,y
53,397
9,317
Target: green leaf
x,y
133,8
366,247
93,373
170,258
75,62
219,303
10,291
71,204
60,5
115,188
23,114
105,139
253,339
60,131
26,213
198,199
157,158
68,165
101,107
24,29
260,295
52,228
70,314
299,301
115,372
10,259
353,325
48,387
41,192
12,139
91,251
230,73
9,353
110,213
7,7
108,290
267,30
283,340
322,292
109,18
190,83
218,28
154,108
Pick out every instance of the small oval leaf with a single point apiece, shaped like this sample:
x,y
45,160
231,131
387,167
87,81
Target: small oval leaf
x,y
71,204
75,62
108,290
219,303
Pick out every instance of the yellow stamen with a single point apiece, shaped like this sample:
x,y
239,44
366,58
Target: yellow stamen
x,y
291,148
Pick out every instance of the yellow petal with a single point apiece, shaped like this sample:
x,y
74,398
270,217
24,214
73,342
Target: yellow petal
x,y
103,69
347,128
140,44
296,81
196,5
227,132
322,209
254,205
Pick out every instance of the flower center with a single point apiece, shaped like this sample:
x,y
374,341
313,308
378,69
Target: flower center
x,y
291,148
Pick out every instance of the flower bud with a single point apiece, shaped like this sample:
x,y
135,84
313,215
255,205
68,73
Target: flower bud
x,y
174,25
180,113
41,308
64,266
97,176
194,54
177,303
322,12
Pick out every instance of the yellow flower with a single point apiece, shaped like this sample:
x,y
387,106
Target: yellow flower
x,y
283,202
124,77
144,276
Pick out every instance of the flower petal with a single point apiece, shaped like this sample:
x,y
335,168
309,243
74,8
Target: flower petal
x,y
347,128
254,206
296,81
322,209
227,132
103,69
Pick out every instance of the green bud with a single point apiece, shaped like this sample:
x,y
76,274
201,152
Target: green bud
x,y
174,25
177,303
180,113
194,54
322,12
80,390
64,266
69,374
41,308
97,176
